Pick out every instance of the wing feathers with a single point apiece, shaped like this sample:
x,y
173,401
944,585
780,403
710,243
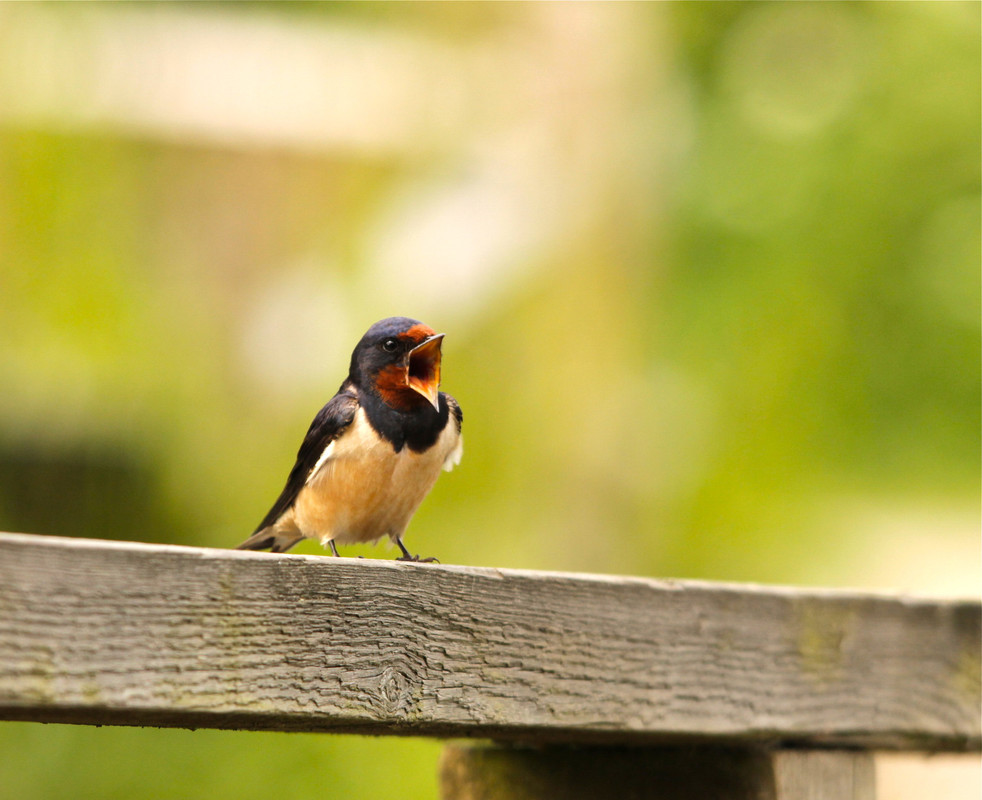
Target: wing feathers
x,y
453,458
330,422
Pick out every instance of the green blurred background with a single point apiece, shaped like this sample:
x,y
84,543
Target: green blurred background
x,y
709,274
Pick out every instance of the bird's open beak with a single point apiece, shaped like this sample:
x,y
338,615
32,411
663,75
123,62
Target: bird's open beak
x,y
424,369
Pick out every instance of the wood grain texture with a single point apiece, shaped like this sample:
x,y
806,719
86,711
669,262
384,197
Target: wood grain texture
x,y
491,772
121,633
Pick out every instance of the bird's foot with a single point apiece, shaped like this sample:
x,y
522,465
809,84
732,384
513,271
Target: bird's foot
x,y
407,556
418,560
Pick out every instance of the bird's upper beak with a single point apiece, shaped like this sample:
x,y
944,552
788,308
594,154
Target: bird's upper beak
x,y
424,369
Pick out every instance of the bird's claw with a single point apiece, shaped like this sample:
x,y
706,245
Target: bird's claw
x,y
407,556
417,560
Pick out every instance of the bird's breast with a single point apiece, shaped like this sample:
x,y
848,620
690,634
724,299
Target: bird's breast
x,y
362,489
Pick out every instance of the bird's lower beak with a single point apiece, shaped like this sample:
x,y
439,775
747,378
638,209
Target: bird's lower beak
x,y
424,369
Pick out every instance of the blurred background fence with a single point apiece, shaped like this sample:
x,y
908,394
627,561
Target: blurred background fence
x,y
709,274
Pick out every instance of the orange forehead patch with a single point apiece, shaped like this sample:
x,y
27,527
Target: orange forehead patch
x,y
419,332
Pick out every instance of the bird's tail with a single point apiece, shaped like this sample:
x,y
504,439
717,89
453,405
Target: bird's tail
x,y
270,539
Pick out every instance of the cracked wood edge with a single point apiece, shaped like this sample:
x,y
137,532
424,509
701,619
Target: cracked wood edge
x,y
102,632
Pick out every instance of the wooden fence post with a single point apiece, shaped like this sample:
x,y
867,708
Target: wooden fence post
x,y
494,772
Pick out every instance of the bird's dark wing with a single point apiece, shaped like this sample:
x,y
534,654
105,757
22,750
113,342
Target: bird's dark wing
x,y
330,422
455,410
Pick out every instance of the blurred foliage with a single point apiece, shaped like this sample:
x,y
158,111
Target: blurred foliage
x,y
737,336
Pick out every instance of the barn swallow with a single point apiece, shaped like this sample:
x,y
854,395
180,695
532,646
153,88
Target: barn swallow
x,y
374,451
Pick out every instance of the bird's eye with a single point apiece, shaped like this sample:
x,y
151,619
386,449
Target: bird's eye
x,y
390,345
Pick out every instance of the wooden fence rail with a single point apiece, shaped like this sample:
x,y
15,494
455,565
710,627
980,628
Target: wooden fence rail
x,y
99,632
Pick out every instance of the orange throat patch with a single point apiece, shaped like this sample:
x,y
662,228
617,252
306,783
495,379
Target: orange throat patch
x,y
393,387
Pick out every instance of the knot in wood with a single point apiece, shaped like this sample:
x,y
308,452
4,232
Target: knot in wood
x,y
395,692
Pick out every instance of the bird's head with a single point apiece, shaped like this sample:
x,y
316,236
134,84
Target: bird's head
x,y
399,359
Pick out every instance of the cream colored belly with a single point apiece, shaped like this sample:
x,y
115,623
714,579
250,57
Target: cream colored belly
x,y
364,490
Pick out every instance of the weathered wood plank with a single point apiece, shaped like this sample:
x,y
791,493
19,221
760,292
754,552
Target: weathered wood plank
x,y
492,772
122,633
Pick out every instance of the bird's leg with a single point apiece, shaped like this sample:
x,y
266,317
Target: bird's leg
x,y
405,553
334,549
406,556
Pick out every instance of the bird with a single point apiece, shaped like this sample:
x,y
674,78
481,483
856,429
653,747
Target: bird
x,y
374,451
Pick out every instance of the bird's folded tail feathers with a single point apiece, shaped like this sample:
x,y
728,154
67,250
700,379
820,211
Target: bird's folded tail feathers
x,y
268,539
